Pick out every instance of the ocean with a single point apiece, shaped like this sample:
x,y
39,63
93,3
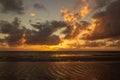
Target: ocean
x,y
60,65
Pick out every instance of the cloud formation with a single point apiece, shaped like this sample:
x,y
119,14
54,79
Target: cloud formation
x,y
107,22
39,6
102,3
44,34
13,30
69,33
18,34
15,6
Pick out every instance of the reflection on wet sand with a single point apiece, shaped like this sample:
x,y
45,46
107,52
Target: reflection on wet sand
x,y
59,70
59,65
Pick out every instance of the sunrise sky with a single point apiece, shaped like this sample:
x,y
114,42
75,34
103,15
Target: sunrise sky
x,y
40,25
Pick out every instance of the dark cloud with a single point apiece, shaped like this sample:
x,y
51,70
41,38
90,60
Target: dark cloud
x,y
107,22
39,6
95,44
13,30
72,33
15,6
42,36
69,33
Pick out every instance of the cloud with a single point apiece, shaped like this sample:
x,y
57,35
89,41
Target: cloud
x,y
17,34
116,44
44,34
15,6
107,22
71,32
39,6
95,43
13,30
102,3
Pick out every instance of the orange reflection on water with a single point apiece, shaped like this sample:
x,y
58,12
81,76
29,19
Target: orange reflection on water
x,y
69,55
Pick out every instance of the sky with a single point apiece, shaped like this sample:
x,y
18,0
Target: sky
x,y
59,25
44,9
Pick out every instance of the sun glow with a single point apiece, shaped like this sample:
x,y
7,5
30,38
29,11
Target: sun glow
x,y
32,14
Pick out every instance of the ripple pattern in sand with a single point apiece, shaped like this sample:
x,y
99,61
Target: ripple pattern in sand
x,y
59,71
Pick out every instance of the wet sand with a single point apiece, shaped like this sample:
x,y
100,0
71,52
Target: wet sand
x,y
59,66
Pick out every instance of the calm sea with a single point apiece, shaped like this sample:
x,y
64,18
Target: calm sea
x,y
67,65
